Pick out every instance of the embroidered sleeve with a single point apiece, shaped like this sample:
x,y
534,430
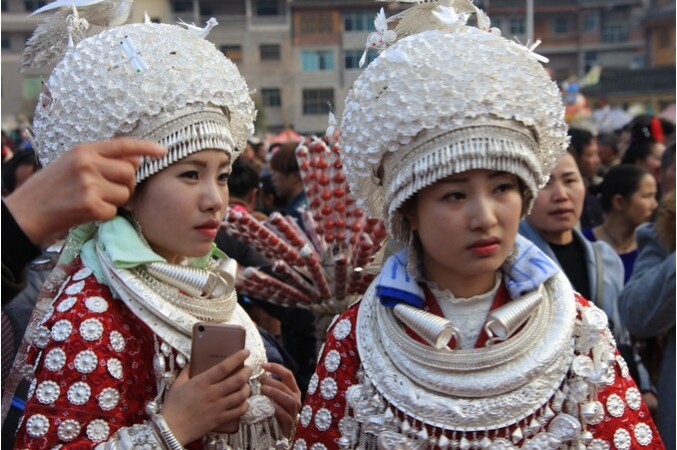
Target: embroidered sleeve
x,y
93,369
321,420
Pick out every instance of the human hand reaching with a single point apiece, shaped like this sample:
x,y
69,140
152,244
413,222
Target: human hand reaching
x,y
87,183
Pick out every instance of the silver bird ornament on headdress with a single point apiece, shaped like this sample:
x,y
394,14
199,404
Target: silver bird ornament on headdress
x,y
197,31
73,21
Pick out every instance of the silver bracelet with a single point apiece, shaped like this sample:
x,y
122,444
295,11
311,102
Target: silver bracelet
x,y
142,435
166,434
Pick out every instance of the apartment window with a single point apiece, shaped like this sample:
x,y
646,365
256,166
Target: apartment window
x,y
317,101
267,7
269,52
664,40
182,6
351,58
616,33
6,43
271,97
317,60
590,59
562,25
232,52
32,5
517,26
313,23
359,20
637,62
591,22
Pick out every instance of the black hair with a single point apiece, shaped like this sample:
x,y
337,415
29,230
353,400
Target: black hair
x,y
638,151
266,188
243,179
25,157
284,159
579,139
609,139
641,129
622,180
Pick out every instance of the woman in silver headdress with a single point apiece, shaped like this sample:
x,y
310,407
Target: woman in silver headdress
x,y
108,355
470,337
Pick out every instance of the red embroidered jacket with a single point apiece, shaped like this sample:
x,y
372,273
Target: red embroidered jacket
x,y
338,365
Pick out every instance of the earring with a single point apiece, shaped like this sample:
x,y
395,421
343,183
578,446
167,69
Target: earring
x,y
414,250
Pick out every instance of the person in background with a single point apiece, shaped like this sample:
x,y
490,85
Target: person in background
x,y
268,201
298,325
609,155
243,184
255,153
551,225
645,128
243,187
7,145
23,164
628,196
647,154
593,268
647,302
287,181
583,146
647,306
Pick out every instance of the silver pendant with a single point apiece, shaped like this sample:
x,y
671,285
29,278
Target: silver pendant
x,y
592,412
565,427
152,407
503,322
191,280
435,330
393,441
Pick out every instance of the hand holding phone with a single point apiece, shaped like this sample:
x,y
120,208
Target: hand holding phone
x,y
211,344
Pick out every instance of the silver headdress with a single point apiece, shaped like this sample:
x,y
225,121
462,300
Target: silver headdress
x,y
446,100
150,81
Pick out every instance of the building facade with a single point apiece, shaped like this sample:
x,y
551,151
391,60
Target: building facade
x,y
300,57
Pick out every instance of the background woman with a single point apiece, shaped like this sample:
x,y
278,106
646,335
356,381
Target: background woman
x,y
109,358
440,352
628,196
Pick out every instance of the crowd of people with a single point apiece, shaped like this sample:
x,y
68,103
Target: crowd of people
x,y
513,234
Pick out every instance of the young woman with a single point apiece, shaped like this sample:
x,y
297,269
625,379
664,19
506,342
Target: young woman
x,y
646,154
470,337
109,359
628,195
